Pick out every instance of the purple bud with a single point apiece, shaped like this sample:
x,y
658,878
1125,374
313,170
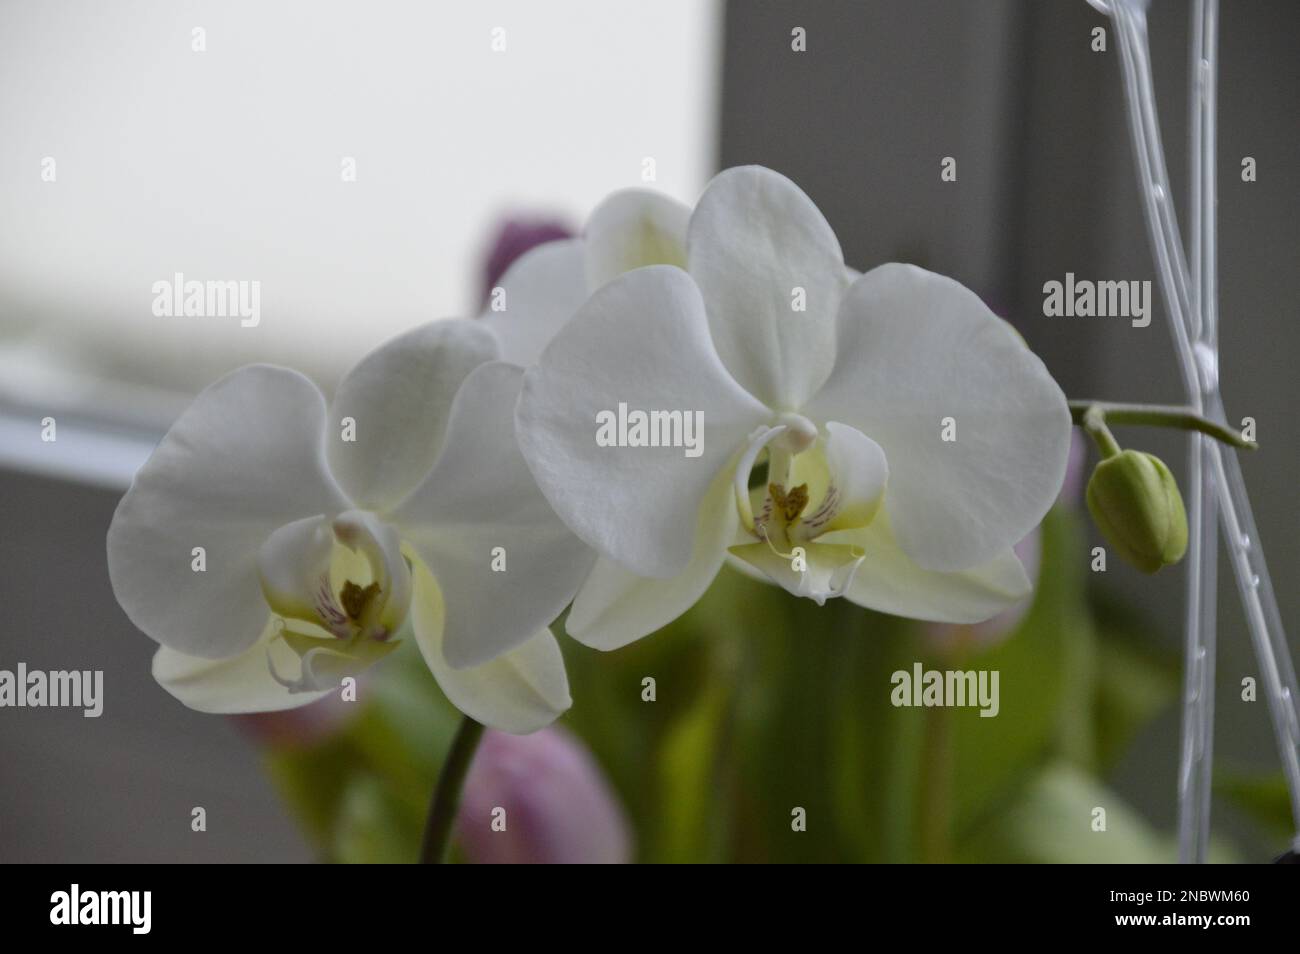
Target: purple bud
x,y
558,805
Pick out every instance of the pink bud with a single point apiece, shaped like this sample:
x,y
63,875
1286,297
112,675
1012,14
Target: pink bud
x,y
558,805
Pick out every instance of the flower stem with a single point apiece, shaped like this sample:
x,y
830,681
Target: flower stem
x,y
1092,415
446,794
1093,421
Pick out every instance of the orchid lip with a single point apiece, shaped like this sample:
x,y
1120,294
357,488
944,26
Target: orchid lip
x,y
817,482
339,589
330,615
786,512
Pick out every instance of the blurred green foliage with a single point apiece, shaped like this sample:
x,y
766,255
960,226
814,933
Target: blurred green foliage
x,y
766,703
1263,798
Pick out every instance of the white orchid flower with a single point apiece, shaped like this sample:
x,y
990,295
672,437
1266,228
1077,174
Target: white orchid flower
x,y
273,545
910,436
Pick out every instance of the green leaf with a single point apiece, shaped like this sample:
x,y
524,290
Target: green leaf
x,y
1052,821
693,823
815,730
1132,688
374,826
1045,671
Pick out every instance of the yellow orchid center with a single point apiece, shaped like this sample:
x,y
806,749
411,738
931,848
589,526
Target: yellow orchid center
x,y
339,589
815,485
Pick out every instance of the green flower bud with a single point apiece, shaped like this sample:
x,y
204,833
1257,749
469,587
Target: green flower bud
x,y
1135,502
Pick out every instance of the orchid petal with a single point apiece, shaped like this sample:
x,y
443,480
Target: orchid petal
x,y
615,607
641,341
247,457
398,398
505,563
889,580
631,229
916,348
539,293
519,692
856,475
241,683
756,243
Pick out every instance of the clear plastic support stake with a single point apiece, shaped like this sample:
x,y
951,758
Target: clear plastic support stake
x,y
1194,781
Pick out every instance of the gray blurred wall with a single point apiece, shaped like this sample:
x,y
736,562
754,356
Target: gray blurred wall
x,y
120,787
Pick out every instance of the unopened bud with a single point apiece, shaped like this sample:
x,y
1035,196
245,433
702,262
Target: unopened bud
x,y
1134,501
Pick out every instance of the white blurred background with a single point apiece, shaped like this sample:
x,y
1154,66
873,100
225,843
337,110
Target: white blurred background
x,y
228,164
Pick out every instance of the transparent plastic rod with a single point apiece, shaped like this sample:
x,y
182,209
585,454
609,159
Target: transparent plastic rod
x,y
1199,655
1268,638
1196,756
1200,638
1153,179
1214,469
